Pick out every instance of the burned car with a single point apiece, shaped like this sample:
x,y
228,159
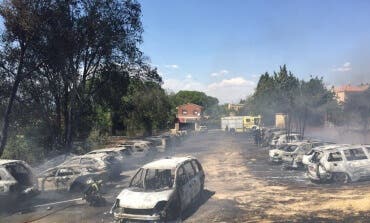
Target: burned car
x,y
276,155
285,138
102,162
16,180
137,147
293,158
342,164
306,158
73,178
161,190
122,154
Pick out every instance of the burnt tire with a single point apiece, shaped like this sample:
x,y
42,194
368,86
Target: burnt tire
x,y
173,212
341,178
77,187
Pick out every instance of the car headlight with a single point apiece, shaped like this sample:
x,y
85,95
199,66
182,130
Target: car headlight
x,y
115,206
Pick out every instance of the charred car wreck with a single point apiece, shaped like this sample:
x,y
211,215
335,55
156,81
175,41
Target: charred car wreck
x,y
342,164
70,178
16,180
160,190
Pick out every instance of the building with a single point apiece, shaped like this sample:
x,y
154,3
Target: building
x,y
188,116
235,107
344,91
280,120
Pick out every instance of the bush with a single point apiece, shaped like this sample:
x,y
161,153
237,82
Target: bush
x,y
22,148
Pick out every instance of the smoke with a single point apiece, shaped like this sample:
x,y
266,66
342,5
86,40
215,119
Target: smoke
x,y
345,135
359,71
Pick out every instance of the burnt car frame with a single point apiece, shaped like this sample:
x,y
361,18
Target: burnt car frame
x,y
16,180
73,178
342,164
161,190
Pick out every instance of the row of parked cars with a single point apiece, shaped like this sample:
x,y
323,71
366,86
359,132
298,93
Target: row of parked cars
x,y
323,161
18,179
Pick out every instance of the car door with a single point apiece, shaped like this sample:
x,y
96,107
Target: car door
x,y
199,176
64,178
182,183
48,180
356,162
194,184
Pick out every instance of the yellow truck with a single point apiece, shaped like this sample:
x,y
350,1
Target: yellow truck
x,y
240,123
251,122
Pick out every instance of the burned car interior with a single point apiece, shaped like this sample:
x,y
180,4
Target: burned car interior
x,y
153,179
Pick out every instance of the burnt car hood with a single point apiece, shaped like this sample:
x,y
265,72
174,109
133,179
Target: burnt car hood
x,y
142,199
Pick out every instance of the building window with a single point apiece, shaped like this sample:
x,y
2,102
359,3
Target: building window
x,y
195,112
184,112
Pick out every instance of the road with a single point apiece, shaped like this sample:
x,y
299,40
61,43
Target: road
x,y
241,186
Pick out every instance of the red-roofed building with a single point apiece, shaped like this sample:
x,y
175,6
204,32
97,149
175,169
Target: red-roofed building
x,y
188,116
344,91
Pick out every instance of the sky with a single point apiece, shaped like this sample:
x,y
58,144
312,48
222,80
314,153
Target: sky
x,y
221,47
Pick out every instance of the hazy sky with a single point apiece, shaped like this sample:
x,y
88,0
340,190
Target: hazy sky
x,y
222,46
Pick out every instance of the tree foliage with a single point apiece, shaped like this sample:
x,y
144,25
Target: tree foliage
x,y
147,107
301,100
64,68
199,98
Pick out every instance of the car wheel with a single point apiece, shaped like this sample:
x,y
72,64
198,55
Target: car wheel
x,y
77,187
173,212
341,178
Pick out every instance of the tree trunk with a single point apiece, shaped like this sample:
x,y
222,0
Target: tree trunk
x,y
58,121
6,119
304,122
66,113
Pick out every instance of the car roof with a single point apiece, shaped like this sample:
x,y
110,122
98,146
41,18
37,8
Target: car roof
x,y
297,143
5,161
167,163
108,149
331,147
97,155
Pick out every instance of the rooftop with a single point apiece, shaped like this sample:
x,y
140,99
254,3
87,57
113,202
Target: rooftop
x,y
352,88
166,163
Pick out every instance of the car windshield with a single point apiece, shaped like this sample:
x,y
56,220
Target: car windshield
x,y
153,179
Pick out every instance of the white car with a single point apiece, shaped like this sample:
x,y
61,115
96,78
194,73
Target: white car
x,y
203,128
160,190
122,154
137,147
16,179
102,162
287,151
293,157
285,138
70,178
306,159
342,164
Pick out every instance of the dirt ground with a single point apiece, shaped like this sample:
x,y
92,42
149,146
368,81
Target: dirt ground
x,y
241,186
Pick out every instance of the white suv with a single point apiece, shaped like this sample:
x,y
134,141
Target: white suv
x,y
341,165
160,190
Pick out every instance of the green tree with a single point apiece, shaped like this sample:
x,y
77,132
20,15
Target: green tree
x,y
312,103
146,107
199,98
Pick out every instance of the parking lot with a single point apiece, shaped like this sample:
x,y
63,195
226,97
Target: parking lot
x,y
241,186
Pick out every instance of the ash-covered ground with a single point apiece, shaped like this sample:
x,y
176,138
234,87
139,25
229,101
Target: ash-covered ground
x,y
241,186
